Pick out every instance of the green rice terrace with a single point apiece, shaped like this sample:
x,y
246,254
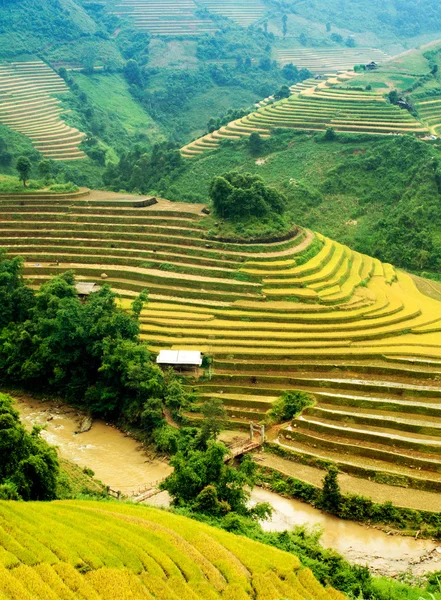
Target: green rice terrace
x,y
316,105
180,17
325,60
29,105
429,111
304,313
243,12
163,18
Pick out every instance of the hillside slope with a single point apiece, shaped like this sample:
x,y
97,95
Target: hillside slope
x,y
113,551
305,313
29,105
27,27
316,106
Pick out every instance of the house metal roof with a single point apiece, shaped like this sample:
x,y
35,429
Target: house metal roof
x,y
84,288
179,357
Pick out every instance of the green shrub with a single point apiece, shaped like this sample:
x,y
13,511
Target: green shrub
x,y
289,405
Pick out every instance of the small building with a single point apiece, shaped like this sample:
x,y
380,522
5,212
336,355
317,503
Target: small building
x,y
85,288
183,359
371,66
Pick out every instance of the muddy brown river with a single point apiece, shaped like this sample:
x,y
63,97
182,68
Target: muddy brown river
x,y
119,462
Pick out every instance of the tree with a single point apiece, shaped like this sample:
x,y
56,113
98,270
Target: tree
x,y
289,405
331,497
242,195
202,481
284,25
303,39
88,58
330,135
328,27
265,64
132,73
214,419
350,42
44,169
290,72
28,465
337,38
16,299
393,97
255,143
283,92
24,168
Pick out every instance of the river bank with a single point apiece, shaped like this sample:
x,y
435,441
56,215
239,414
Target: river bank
x,y
117,459
119,462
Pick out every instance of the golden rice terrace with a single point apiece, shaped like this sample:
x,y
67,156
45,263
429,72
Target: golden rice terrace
x,y
102,551
306,313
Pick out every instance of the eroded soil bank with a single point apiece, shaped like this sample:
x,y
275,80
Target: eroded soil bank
x,y
119,462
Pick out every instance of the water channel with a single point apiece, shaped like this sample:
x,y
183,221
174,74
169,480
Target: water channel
x,y
119,462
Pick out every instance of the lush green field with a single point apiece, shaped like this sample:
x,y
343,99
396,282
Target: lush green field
x,y
111,93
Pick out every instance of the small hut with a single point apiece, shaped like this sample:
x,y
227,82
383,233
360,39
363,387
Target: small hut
x,y
371,66
180,359
85,288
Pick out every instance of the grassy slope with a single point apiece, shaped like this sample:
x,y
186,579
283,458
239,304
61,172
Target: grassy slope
x,y
74,481
111,93
361,182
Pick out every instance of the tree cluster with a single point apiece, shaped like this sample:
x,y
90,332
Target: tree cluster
x,y
88,353
28,465
242,195
145,171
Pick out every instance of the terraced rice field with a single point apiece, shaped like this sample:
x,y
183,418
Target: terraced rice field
x,y
29,105
316,105
429,111
304,314
163,17
244,12
92,550
323,60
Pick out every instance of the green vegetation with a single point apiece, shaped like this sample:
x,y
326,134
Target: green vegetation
x,y
248,207
29,466
203,483
289,406
89,354
24,168
380,196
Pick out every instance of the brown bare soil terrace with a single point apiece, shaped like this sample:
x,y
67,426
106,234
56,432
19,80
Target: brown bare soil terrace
x,y
304,314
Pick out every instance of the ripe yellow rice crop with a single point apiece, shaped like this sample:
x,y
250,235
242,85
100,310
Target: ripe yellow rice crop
x,y
122,552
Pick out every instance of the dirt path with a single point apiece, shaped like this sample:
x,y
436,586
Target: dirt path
x,y
404,497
